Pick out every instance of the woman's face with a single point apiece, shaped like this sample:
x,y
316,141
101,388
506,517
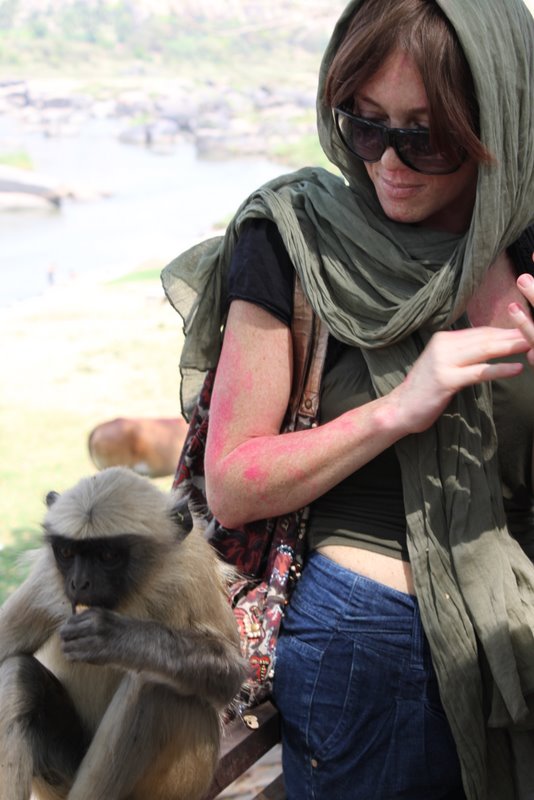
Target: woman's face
x,y
395,96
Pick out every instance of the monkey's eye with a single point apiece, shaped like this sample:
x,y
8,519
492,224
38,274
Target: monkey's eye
x,y
110,555
65,553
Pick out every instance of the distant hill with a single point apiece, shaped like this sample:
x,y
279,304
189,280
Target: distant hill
x,y
206,9
84,35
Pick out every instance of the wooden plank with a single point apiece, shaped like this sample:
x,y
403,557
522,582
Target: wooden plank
x,y
242,746
274,791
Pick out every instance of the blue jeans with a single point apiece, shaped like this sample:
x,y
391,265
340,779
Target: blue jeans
x,y
358,697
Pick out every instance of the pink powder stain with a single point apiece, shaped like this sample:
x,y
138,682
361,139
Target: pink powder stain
x,y
279,446
254,474
219,424
235,382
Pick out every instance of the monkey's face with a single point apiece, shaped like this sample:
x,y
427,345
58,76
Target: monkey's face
x,y
107,533
100,572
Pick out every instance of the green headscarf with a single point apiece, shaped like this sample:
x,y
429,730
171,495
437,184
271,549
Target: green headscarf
x,y
385,287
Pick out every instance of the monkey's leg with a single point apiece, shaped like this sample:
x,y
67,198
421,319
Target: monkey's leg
x,y
41,735
146,729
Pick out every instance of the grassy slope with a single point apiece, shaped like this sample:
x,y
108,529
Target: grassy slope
x,y
84,354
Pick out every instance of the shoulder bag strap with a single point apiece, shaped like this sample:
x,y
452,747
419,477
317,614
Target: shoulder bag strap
x,y
310,341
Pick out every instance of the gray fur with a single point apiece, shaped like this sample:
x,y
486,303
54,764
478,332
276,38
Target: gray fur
x,y
149,680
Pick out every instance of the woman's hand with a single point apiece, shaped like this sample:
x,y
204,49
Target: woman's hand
x,y
252,472
522,320
451,361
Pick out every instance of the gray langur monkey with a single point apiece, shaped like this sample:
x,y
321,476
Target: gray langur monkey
x,y
119,652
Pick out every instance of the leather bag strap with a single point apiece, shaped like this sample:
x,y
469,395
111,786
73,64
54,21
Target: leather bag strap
x,y
310,341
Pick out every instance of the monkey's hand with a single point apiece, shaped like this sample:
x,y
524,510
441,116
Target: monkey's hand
x,y
94,636
191,661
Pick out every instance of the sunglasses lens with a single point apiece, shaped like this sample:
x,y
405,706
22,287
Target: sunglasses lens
x,y
416,151
363,139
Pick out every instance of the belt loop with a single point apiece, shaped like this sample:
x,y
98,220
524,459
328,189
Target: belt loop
x,y
419,649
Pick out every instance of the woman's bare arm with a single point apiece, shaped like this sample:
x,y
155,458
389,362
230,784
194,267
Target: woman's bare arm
x,y
252,472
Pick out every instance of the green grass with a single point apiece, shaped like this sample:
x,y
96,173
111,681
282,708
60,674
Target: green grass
x,y
18,158
147,272
70,369
152,274
13,567
37,457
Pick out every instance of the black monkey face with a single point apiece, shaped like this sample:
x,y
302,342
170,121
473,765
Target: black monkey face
x,y
99,572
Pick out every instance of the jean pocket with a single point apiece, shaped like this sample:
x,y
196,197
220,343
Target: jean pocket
x,y
432,696
386,635
296,668
352,699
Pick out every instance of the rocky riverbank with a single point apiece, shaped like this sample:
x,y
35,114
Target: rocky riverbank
x,y
221,121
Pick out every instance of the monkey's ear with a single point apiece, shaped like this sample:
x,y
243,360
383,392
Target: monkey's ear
x,y
181,516
51,498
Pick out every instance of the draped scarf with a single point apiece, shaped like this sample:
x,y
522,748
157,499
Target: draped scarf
x,y
385,287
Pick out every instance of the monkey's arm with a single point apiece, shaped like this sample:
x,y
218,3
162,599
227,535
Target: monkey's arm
x,y
193,661
31,614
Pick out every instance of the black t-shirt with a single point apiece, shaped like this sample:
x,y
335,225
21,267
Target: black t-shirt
x,y
261,270
367,508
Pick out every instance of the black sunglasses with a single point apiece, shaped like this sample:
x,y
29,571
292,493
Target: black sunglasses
x,y
369,140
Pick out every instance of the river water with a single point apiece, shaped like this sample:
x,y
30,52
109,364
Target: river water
x,y
157,205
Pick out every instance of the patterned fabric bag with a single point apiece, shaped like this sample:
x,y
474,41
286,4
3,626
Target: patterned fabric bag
x,y
267,553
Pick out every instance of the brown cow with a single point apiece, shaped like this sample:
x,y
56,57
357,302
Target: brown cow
x,y
149,446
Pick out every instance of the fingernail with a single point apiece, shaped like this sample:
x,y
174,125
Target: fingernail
x,y
515,309
525,280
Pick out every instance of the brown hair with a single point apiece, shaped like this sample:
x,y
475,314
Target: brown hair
x,y
421,29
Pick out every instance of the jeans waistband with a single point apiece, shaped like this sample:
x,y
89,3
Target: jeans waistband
x,y
340,598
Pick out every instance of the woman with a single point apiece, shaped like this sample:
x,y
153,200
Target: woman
x,y
406,666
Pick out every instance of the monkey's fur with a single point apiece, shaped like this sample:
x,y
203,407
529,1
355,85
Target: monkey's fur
x,y
122,701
